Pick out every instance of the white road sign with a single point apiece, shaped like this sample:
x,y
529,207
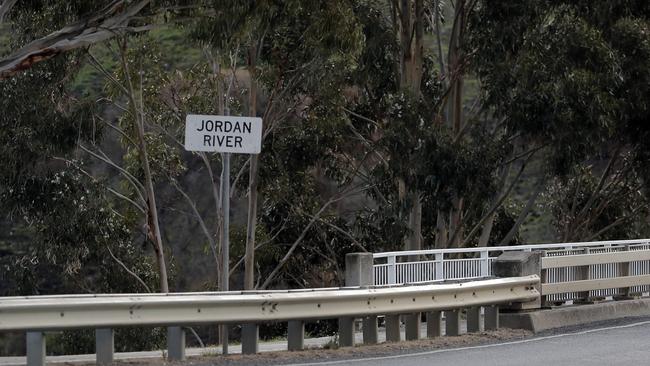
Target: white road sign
x,y
240,135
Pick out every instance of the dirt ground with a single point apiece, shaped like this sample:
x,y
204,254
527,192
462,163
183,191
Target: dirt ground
x,y
360,351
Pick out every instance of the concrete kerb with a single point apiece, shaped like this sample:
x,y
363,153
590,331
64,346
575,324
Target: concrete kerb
x,y
537,321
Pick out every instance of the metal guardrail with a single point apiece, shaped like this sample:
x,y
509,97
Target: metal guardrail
x,y
36,314
101,311
472,263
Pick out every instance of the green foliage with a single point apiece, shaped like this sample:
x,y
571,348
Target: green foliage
x,y
38,18
557,71
77,247
505,218
75,235
40,119
126,340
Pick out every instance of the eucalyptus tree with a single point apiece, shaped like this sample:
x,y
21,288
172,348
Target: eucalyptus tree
x,y
73,239
429,155
297,54
572,79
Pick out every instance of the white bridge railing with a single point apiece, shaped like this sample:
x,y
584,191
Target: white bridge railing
x,y
471,263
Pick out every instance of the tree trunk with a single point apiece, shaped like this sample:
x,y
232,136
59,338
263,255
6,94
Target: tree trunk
x,y
152,212
216,187
411,40
486,230
152,209
524,213
455,222
455,109
415,223
249,258
441,230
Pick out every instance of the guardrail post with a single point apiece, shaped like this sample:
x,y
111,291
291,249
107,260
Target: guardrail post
x,y
474,319
296,335
358,272
249,338
104,345
491,317
452,322
346,332
412,325
175,343
583,273
392,328
35,349
433,324
370,330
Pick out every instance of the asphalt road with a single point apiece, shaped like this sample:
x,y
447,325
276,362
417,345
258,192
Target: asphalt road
x,y
625,344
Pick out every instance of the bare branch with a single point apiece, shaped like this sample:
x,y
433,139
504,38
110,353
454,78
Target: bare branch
x,y
197,215
616,222
340,230
129,177
499,202
118,130
5,8
524,212
112,20
240,173
128,270
116,193
601,183
99,67
272,238
315,217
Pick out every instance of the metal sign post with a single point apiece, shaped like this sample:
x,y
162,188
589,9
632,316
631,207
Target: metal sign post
x,y
225,238
224,134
